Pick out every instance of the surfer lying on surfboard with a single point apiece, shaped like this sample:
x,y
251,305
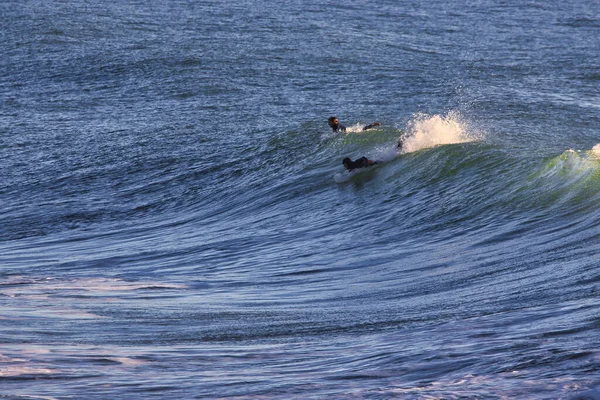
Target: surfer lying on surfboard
x,y
335,125
362,162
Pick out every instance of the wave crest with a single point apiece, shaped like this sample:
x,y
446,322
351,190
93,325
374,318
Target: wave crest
x,y
424,131
595,152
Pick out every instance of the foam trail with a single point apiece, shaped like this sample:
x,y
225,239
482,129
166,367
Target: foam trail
x,y
356,128
426,131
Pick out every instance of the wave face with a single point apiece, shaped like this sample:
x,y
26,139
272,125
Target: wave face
x,y
176,221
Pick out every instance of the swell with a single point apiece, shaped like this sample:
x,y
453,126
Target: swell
x,y
451,184
449,233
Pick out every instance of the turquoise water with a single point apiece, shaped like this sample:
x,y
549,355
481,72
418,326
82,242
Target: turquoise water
x,y
176,221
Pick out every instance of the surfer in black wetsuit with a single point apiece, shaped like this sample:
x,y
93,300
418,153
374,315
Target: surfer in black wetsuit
x,y
335,125
362,162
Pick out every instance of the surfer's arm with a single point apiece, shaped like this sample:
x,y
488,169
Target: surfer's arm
x,y
338,128
374,124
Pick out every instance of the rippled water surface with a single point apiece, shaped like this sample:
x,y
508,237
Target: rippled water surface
x,y
176,222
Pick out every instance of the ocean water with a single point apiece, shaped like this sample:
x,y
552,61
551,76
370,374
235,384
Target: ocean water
x,y
176,222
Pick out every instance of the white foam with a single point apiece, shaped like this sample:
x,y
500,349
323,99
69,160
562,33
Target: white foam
x,y
356,128
424,131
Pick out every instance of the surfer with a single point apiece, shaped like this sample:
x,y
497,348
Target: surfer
x,y
335,125
362,162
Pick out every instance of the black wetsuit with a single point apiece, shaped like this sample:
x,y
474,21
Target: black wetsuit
x,y
342,128
338,128
370,126
362,162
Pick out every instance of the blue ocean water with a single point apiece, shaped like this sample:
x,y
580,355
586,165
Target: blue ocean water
x,y
176,222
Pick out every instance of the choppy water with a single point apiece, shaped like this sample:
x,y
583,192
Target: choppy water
x,y
176,221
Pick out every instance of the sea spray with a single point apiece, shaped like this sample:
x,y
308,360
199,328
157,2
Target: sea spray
x,y
595,152
425,131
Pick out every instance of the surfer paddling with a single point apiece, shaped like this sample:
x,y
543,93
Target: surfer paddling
x,y
362,162
335,125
